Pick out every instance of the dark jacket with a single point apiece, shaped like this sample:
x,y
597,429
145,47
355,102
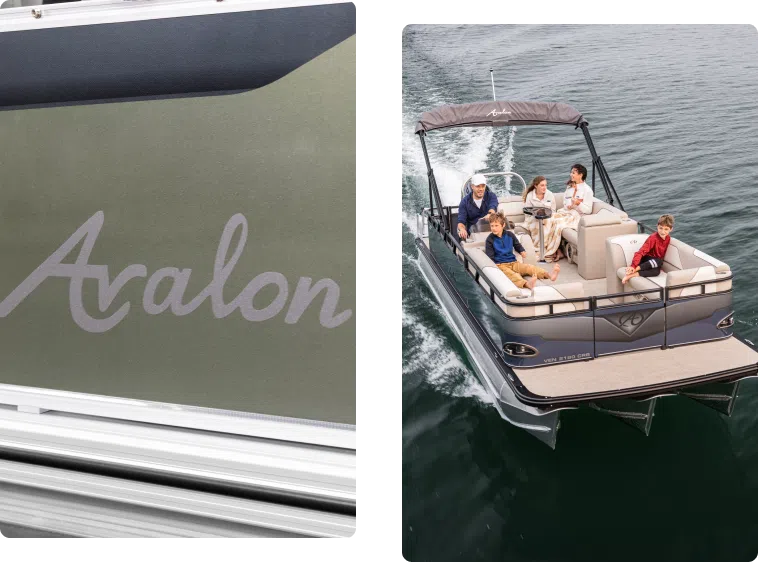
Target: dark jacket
x,y
500,249
469,213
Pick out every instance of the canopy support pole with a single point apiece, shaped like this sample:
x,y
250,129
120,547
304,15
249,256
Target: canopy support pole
x,y
434,193
610,191
492,79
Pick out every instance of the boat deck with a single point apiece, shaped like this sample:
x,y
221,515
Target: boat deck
x,y
637,369
570,274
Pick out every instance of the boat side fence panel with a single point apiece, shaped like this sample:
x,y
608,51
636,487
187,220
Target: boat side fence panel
x,y
699,318
630,325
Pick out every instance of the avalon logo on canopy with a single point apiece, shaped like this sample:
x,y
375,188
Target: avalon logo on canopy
x,y
496,113
77,272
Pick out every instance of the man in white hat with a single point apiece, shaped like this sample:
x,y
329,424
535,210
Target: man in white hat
x,y
477,204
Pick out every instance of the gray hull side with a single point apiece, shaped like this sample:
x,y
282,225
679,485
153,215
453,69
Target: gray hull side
x,y
540,423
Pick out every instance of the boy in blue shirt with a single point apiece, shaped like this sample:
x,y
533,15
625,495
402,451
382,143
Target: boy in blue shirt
x,y
477,204
499,247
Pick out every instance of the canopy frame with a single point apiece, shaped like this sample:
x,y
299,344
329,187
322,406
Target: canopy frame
x,y
507,114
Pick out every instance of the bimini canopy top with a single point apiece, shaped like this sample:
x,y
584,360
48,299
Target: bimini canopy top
x,y
499,114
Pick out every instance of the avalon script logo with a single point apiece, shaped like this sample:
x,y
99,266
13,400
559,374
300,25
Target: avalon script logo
x,y
630,321
305,291
496,113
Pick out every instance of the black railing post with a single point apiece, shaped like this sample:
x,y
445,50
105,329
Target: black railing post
x,y
593,308
664,298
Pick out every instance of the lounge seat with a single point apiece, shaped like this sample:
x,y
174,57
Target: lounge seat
x,y
508,289
682,264
478,240
546,293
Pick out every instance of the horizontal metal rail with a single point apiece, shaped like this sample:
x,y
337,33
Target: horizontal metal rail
x,y
492,292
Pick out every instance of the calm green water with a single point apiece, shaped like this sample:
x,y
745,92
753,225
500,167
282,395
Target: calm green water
x,y
673,112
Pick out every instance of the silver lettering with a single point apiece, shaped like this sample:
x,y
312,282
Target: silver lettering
x,y
80,270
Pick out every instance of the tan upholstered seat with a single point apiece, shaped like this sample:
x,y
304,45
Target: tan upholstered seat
x,y
682,264
588,239
478,239
508,289
546,293
571,236
512,208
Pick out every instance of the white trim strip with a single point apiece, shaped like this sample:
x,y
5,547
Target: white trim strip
x,y
38,504
240,423
287,469
93,12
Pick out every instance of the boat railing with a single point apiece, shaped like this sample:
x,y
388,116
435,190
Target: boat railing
x,y
591,302
493,293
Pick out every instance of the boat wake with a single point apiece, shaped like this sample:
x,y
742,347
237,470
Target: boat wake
x,y
508,157
440,365
429,344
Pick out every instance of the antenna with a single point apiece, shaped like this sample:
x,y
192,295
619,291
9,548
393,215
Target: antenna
x,y
492,79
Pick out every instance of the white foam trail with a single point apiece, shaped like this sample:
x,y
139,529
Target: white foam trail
x,y
413,261
441,366
409,220
508,157
413,157
454,155
449,181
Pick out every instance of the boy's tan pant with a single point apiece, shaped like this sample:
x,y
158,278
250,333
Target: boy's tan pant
x,y
515,270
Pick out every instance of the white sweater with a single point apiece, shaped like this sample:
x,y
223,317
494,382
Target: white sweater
x,y
547,201
583,191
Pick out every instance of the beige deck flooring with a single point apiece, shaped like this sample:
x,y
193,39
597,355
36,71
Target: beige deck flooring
x,y
639,368
569,274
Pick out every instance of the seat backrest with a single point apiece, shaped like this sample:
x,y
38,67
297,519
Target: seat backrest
x,y
683,256
512,208
558,200
678,255
694,275
620,250
546,293
603,207
478,240
690,266
682,264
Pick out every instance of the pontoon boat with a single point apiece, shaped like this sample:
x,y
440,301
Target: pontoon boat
x,y
587,339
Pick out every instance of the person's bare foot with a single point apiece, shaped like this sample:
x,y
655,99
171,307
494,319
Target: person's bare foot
x,y
554,274
625,279
559,255
531,283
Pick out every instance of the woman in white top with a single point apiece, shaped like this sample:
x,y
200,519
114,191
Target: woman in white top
x,y
537,195
577,201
